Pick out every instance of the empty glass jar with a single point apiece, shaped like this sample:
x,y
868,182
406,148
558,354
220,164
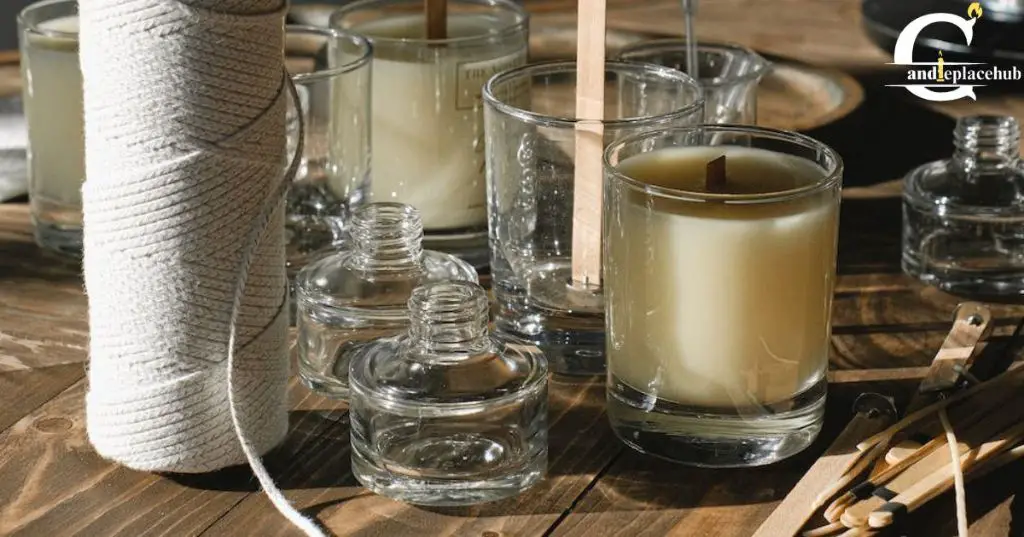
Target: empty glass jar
x,y
361,292
446,414
727,73
331,72
963,218
530,118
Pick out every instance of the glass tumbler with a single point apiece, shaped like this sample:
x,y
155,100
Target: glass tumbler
x,y
52,97
531,123
719,266
331,72
427,122
728,73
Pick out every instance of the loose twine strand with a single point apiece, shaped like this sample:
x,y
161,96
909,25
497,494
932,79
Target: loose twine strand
x,y
184,107
958,474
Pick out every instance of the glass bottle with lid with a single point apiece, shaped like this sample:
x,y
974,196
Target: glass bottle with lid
x,y
361,292
447,414
963,218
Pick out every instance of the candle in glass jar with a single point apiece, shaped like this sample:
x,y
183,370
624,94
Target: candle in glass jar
x,y
53,107
427,126
725,302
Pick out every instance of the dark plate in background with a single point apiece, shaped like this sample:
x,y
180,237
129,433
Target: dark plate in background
x,y
998,35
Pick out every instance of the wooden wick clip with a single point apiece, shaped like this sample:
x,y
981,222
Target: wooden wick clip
x,y
971,325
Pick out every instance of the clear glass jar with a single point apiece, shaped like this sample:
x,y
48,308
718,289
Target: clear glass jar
x,y
52,95
530,117
718,297
331,72
728,74
963,218
361,292
427,117
447,414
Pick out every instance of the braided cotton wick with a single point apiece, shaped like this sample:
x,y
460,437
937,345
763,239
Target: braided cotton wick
x,y
184,233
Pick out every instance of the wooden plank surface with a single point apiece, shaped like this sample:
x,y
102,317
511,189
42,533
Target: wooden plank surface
x,y
886,329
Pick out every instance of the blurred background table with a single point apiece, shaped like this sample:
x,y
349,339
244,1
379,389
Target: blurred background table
x,y
886,329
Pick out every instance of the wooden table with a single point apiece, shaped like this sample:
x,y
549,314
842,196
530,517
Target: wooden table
x,y
886,329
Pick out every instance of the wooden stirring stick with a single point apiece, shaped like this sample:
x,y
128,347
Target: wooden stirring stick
x,y
972,324
874,413
437,18
970,411
940,477
843,468
971,435
589,175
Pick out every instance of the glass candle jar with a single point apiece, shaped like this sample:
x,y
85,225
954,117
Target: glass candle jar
x,y
531,123
719,265
427,124
52,95
331,72
728,74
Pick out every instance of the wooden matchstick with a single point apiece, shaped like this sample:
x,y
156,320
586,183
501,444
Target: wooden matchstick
x,y
437,18
588,178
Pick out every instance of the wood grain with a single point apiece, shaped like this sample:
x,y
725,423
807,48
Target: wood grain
x,y
887,327
581,444
26,390
55,484
43,328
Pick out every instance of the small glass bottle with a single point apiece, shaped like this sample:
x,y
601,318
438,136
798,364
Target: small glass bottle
x,y
447,414
963,218
361,293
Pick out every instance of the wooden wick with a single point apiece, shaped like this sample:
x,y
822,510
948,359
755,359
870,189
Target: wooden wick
x,y
589,147
715,180
437,18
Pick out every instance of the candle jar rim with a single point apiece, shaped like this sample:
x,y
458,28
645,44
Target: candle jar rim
x,y
28,23
567,67
361,43
672,44
519,24
833,172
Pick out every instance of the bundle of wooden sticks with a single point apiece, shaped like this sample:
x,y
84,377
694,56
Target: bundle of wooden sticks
x,y
965,421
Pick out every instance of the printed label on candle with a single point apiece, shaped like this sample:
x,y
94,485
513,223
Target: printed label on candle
x,y
471,77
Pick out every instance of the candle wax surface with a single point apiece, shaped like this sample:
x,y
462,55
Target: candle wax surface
x,y
427,127
714,304
53,107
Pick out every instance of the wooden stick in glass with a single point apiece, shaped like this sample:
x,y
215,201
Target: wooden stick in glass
x,y
437,18
586,218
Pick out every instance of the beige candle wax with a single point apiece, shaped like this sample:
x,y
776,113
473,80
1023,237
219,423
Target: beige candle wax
x,y
53,107
720,304
427,124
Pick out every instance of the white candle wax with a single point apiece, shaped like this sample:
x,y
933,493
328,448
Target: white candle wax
x,y
427,126
719,305
53,107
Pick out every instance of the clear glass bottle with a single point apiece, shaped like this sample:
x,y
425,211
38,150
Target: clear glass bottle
x,y
360,293
963,218
447,414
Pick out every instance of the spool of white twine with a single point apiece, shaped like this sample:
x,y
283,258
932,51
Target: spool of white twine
x,y
184,233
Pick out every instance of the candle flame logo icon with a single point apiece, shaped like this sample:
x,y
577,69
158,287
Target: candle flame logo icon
x,y
943,80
